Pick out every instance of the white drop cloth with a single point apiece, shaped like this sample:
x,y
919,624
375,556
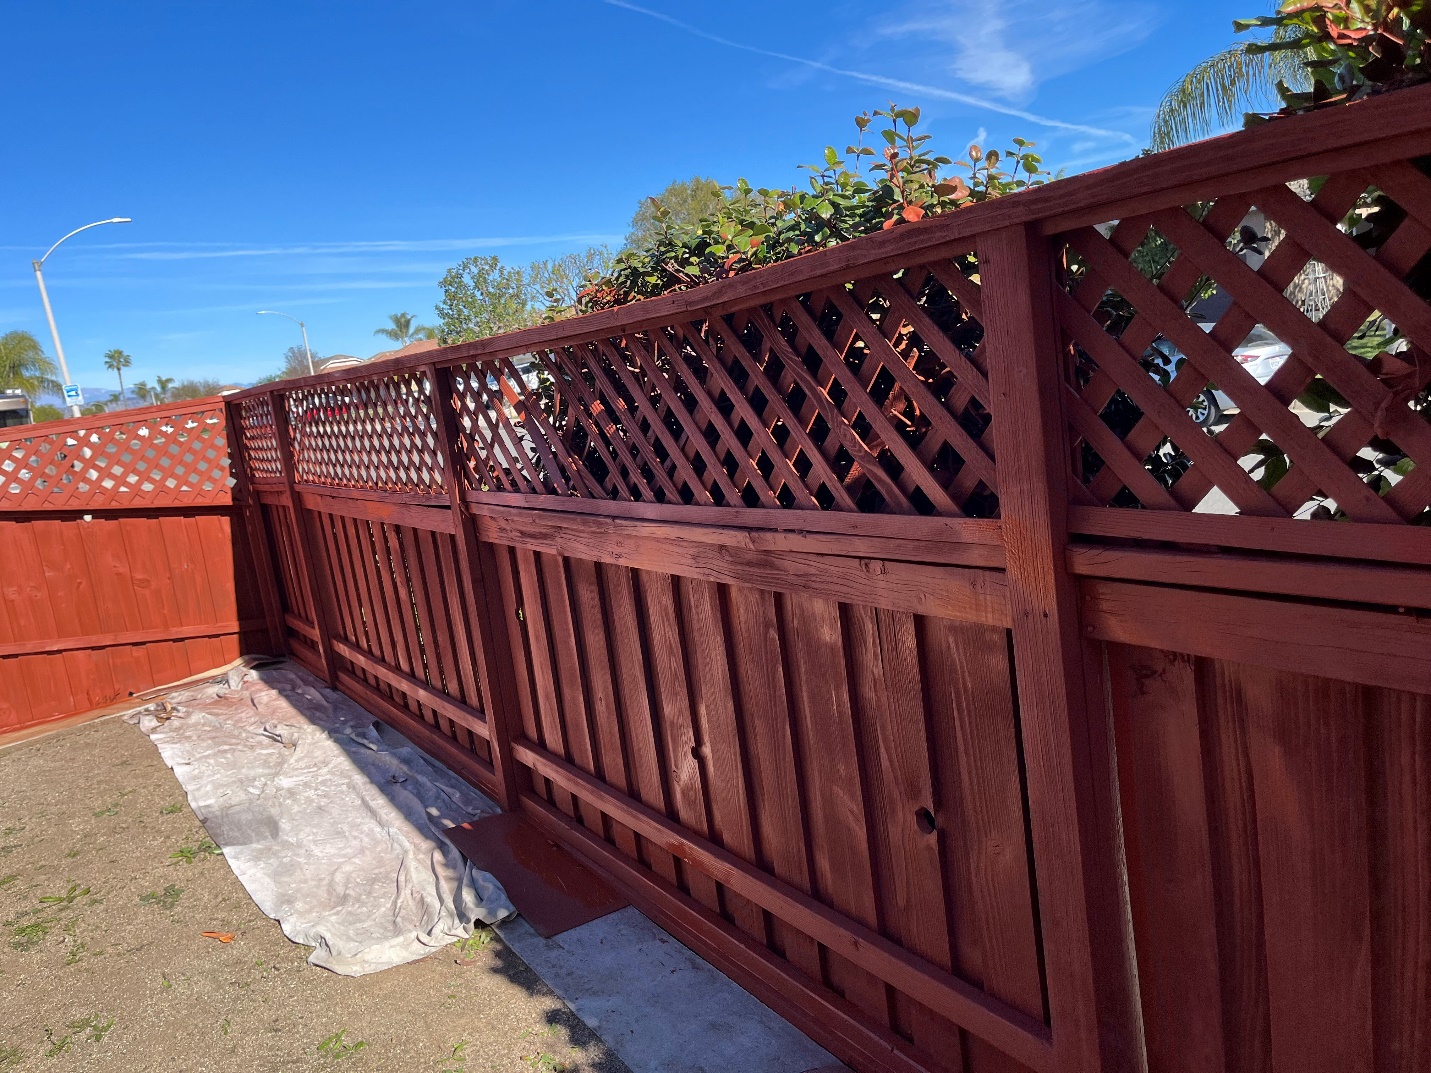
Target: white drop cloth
x,y
333,824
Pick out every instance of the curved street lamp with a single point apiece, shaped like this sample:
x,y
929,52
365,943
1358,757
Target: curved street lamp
x,y
44,297
301,328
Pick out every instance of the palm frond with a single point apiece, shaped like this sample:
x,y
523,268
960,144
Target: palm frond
x,y
1219,90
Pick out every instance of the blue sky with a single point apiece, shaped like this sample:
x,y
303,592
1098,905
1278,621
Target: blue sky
x,y
331,160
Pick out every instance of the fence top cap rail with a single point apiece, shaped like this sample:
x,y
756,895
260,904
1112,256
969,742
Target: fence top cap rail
x,y
1095,194
41,429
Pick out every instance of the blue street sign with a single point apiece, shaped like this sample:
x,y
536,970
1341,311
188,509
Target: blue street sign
x,y
73,396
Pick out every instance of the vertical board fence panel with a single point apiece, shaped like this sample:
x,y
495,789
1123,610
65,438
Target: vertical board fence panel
x,y
125,560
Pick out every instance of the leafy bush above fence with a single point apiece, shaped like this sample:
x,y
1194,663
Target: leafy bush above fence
x,y
855,193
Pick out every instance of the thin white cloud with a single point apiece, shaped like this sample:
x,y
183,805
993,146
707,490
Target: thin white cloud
x,y
880,80
1010,46
392,246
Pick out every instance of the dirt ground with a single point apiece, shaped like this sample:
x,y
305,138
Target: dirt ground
x,y
107,882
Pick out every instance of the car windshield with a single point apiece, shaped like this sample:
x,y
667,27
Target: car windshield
x,y
1260,336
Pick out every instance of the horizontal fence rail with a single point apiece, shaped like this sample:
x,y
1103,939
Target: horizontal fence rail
x,y
888,627
121,566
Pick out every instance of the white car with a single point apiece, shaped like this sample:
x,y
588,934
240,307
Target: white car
x,y
1261,354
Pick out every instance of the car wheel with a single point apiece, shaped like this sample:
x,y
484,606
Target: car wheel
x,y
1205,410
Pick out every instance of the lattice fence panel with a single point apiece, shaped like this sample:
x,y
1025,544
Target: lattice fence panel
x,y
260,439
1308,410
378,434
152,458
870,396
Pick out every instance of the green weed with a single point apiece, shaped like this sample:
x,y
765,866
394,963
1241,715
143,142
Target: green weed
x,y
189,854
170,810
77,1031
112,810
224,1028
546,1063
165,899
337,1047
475,942
26,937
76,951
10,1056
69,897
5,881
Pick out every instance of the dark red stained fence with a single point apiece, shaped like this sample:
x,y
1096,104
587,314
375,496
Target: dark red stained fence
x,y
886,630
121,566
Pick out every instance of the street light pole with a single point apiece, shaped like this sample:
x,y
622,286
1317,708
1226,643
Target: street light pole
x,y
45,298
301,328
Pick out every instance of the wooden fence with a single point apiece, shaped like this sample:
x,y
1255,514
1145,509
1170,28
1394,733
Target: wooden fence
x,y
887,629
120,566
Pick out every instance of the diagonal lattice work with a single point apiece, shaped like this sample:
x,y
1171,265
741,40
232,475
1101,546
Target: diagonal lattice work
x,y
379,434
865,397
1267,353
155,457
260,439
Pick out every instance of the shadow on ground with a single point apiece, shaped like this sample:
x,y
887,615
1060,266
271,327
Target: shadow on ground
x,y
107,882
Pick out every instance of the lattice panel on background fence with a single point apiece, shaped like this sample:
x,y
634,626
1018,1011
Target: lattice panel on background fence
x,y
868,397
150,458
260,438
1326,404
376,434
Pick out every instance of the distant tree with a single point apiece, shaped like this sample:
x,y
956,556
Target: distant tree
x,y
143,392
404,331
24,366
93,408
556,284
198,389
45,412
685,200
118,361
295,364
481,296
162,386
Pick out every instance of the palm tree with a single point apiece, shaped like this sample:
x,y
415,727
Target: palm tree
x,y
118,360
1219,90
404,331
24,366
143,391
162,384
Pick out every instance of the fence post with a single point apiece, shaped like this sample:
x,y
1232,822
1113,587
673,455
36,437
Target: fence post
x,y
314,580
252,512
483,601
1072,795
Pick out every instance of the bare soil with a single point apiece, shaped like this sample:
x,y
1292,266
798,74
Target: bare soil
x,y
107,882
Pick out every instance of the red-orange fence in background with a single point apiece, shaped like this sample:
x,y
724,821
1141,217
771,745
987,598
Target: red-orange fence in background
x,y
121,567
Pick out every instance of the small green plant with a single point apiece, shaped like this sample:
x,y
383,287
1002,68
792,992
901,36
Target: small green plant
x,y
10,1056
337,1046
164,982
76,952
26,937
189,854
69,897
170,810
5,881
477,941
112,810
457,1056
87,1027
224,1028
547,1063
165,899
